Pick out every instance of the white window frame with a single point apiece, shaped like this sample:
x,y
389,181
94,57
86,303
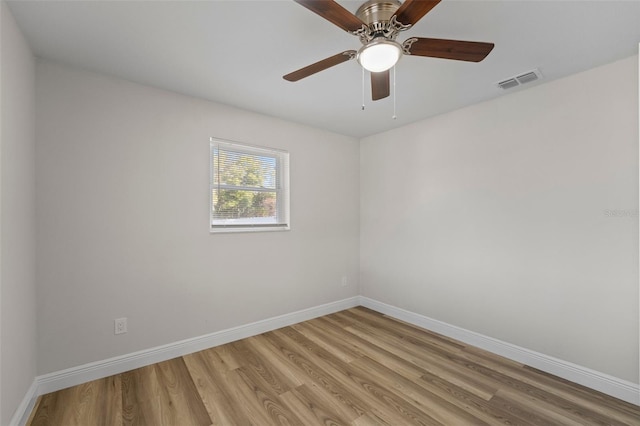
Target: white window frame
x,y
282,188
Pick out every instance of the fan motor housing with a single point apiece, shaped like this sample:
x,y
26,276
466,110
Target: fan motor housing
x,y
376,12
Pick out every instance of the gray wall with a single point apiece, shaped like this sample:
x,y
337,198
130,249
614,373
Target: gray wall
x,y
17,218
122,174
494,218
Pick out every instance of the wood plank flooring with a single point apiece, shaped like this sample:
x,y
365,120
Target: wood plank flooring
x,y
355,367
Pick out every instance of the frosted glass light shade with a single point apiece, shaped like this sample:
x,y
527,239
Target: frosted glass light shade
x,y
379,55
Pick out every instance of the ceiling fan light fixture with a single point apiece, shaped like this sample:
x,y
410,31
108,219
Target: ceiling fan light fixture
x,y
379,55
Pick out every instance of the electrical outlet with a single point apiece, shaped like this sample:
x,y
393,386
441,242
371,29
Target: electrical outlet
x,y
120,325
344,281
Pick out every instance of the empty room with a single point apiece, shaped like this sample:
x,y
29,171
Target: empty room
x,y
318,212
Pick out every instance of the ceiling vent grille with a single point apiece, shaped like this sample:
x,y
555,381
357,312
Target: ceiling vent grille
x,y
524,78
508,84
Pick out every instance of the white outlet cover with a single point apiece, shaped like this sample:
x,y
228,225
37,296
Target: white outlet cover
x,y
120,326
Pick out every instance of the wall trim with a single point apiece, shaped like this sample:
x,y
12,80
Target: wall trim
x,y
97,370
610,385
21,415
618,388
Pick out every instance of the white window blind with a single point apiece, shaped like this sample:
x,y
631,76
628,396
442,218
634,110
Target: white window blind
x,y
249,188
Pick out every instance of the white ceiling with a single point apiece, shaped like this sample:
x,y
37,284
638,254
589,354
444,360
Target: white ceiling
x,y
236,52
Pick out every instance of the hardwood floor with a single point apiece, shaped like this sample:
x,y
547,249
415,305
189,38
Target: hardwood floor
x,y
355,367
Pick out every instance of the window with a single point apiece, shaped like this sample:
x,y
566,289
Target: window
x,y
249,188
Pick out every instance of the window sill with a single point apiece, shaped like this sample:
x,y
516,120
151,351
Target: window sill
x,y
232,230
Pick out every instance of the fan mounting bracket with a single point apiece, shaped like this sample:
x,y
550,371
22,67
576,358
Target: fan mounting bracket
x,y
352,54
387,29
406,46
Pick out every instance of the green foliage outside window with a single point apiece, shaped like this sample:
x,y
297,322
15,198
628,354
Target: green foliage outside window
x,y
241,185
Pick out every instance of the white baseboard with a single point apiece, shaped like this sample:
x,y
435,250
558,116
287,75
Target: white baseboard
x,y
21,415
52,382
96,370
618,388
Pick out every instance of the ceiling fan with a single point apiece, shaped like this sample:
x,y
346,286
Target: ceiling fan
x,y
377,23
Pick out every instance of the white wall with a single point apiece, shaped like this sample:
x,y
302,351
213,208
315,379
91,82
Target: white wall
x,y
122,214
501,225
492,218
17,218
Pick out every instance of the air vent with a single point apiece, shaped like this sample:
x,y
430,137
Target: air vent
x,y
524,78
508,84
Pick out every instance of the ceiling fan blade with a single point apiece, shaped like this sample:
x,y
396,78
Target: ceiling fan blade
x,y
472,51
412,11
320,65
380,85
334,13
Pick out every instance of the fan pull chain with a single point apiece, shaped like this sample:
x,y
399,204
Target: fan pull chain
x,y
394,93
362,88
